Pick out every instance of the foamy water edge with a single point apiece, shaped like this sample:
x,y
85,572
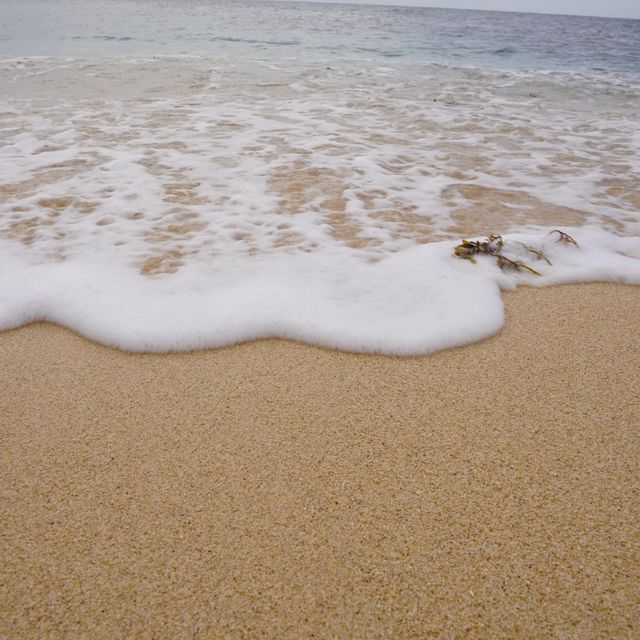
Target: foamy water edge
x,y
176,203
413,303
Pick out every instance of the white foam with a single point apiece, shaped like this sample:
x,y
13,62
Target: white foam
x,y
152,209
415,302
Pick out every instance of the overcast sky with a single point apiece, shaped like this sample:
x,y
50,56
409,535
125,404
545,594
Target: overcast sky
x,y
615,8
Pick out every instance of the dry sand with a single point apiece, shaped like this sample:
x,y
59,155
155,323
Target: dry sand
x,y
280,490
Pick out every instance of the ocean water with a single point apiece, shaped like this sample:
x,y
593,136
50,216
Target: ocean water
x,y
179,174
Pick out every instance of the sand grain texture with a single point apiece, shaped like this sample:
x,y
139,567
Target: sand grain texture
x,y
280,490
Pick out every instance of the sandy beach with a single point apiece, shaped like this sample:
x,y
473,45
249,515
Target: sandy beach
x,y
280,490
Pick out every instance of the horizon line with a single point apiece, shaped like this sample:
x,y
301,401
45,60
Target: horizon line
x,y
389,3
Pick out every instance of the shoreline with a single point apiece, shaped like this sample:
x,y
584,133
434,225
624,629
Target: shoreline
x,y
279,489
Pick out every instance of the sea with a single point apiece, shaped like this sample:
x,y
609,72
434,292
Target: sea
x,y
186,174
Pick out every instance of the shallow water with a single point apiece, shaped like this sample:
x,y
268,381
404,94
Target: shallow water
x,y
184,175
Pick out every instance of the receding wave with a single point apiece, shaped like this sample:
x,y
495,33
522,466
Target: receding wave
x,y
180,202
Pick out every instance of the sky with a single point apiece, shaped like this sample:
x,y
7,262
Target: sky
x,y
612,8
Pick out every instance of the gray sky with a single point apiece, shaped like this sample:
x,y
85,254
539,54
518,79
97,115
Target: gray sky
x,y
614,8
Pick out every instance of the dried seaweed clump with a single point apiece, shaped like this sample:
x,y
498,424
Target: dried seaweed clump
x,y
494,246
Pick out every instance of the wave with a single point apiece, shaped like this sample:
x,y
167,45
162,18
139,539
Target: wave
x,y
150,212
280,43
412,303
105,38
505,51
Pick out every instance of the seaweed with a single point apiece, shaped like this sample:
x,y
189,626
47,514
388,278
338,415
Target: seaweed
x,y
536,252
508,263
468,248
493,246
564,237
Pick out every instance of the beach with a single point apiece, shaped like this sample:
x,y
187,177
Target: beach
x,y
276,489
257,379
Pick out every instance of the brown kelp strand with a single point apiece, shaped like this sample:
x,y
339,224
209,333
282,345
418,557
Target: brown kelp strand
x,y
494,245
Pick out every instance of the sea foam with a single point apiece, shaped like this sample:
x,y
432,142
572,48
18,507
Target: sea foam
x,y
415,302
183,202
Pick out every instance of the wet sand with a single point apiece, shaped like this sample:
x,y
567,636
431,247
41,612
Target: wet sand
x,y
280,490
